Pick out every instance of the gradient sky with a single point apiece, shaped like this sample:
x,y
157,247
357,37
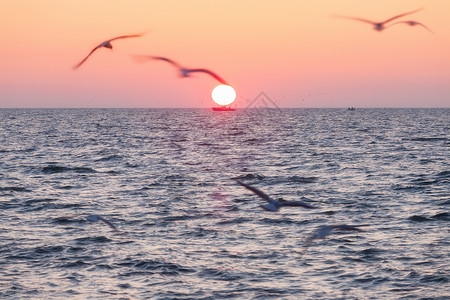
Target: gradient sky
x,y
294,51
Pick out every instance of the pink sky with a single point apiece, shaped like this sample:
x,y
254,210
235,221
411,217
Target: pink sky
x,y
294,51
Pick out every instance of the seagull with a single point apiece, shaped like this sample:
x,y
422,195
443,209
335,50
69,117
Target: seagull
x,y
273,205
106,44
324,230
95,218
184,72
379,26
412,23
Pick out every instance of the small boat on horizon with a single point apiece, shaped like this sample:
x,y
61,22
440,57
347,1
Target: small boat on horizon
x,y
224,108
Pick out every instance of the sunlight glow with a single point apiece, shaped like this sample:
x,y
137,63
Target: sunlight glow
x,y
223,94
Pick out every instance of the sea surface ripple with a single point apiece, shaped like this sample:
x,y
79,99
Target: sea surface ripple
x,y
187,231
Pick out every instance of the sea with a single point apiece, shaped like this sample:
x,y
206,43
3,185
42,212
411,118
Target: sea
x,y
186,230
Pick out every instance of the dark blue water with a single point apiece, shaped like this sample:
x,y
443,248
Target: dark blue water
x,y
187,231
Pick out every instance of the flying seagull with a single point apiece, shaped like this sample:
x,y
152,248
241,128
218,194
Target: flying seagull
x,y
324,230
379,26
106,44
273,205
95,218
412,23
184,72
92,218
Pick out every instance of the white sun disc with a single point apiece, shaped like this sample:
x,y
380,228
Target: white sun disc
x,y
223,94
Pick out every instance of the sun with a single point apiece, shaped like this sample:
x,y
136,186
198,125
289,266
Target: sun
x,y
223,94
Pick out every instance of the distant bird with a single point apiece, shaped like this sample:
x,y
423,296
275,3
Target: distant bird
x,y
379,26
274,205
95,218
412,23
324,230
184,72
106,44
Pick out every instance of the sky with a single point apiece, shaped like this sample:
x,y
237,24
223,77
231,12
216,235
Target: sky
x,y
296,52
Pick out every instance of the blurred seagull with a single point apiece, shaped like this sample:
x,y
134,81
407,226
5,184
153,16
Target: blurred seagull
x,y
184,72
106,44
273,205
95,218
412,23
379,26
324,230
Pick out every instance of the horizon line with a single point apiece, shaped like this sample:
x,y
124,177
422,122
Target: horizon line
x,y
240,108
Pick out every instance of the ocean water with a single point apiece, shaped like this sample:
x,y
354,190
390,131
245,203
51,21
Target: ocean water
x,y
187,231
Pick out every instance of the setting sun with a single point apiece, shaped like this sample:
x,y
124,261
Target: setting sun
x,y
223,94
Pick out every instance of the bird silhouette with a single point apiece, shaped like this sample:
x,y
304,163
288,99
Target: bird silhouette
x,y
274,205
95,218
379,26
323,231
183,72
105,44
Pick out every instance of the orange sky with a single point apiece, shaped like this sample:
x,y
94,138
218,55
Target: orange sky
x,y
294,51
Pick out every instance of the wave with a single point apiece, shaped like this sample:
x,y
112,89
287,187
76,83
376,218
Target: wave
x,y
443,174
49,205
86,241
250,176
75,264
234,221
52,169
18,150
439,277
14,189
444,216
301,179
179,218
217,274
155,266
428,139
113,157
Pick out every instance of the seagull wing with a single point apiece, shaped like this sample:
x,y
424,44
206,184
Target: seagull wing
x,y
108,223
95,218
427,28
320,233
175,64
101,45
401,15
127,36
217,77
357,19
258,192
323,231
82,62
412,23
